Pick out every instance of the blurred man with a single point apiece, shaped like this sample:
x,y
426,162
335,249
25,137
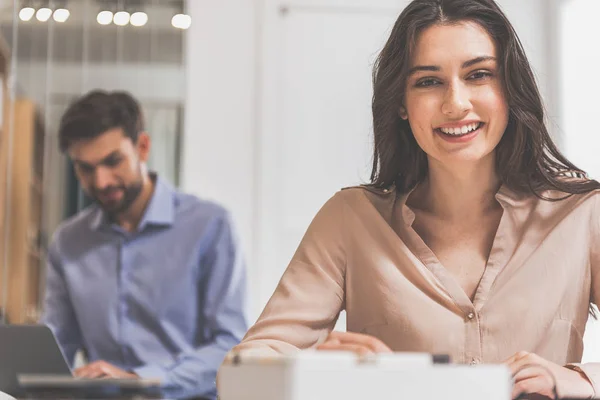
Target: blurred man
x,y
148,282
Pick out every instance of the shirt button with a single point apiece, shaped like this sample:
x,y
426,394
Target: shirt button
x,y
471,315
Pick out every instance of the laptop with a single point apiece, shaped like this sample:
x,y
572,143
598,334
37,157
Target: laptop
x,y
31,362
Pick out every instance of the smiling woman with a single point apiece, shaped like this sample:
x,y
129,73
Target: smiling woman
x,y
452,247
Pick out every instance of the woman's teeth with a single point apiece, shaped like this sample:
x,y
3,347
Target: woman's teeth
x,y
461,131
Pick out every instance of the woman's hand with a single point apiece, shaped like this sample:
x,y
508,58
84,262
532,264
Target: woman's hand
x,y
535,375
355,342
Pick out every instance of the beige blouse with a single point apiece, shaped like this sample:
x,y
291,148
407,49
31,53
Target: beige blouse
x,y
360,254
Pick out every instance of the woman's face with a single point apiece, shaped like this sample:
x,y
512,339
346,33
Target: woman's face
x,y
454,98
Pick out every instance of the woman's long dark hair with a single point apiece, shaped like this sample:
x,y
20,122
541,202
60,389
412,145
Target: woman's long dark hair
x,y
527,160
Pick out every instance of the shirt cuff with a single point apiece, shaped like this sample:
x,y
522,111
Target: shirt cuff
x,y
591,371
150,371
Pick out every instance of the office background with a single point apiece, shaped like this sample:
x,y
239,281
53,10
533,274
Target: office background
x,y
264,105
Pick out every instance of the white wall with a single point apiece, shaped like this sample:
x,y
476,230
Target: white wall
x,y
219,150
580,87
580,103
279,109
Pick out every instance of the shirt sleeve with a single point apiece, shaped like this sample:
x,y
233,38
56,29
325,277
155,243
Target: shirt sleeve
x,y
223,289
58,313
310,295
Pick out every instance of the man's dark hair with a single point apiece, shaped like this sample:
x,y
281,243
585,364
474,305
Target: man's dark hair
x,y
97,112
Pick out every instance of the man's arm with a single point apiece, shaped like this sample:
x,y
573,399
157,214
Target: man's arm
x,y
58,313
223,282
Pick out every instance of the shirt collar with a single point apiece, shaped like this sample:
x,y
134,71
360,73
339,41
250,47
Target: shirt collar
x,y
505,196
160,210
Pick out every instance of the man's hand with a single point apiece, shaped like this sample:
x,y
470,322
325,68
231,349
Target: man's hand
x,y
102,369
535,375
355,342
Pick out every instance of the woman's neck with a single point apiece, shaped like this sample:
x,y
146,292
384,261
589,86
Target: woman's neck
x,y
460,191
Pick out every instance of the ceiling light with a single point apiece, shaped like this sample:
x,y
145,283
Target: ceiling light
x,y
43,14
121,18
104,17
26,13
181,21
138,19
61,15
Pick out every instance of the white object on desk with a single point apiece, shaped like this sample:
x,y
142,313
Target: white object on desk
x,y
312,375
4,396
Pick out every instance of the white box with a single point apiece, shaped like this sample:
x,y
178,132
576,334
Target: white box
x,y
312,375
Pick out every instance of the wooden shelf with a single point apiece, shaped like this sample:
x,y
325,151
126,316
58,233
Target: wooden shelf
x,y
25,195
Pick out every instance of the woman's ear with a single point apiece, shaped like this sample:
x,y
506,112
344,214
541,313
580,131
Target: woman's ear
x,y
402,113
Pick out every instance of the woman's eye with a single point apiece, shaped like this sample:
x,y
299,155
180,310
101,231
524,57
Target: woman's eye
x,y
480,75
427,82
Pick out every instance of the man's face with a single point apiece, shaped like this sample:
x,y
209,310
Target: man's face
x,y
109,168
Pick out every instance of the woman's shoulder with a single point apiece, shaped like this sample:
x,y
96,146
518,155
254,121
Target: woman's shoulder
x,y
574,189
562,190
558,201
358,196
368,188
367,194
362,200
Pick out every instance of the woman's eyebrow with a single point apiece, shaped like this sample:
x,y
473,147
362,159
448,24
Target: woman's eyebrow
x,y
436,68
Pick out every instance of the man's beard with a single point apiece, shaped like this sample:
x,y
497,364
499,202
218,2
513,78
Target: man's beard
x,y
130,194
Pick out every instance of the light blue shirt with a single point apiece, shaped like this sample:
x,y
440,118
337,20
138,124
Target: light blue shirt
x,y
164,302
